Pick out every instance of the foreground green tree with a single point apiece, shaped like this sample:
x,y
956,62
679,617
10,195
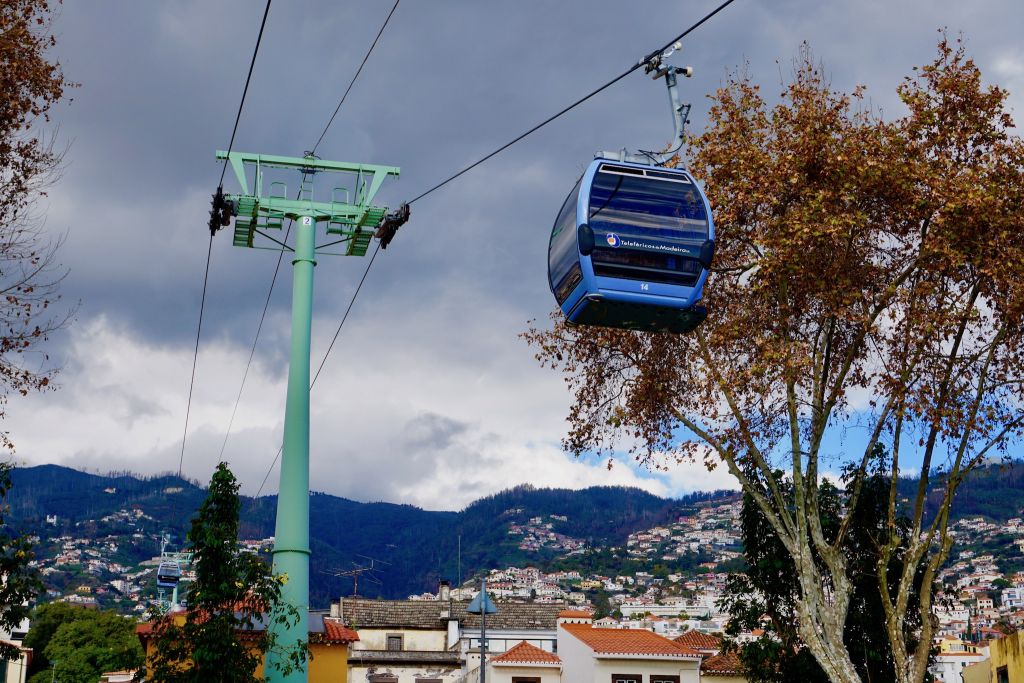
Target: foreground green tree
x,y
78,644
45,620
222,638
867,270
19,580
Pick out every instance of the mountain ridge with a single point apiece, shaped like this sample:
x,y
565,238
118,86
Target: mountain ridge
x,y
412,549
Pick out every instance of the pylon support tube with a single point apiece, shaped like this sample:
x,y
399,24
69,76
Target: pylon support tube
x,y
291,537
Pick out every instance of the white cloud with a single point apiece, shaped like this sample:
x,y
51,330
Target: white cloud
x,y
455,436
429,397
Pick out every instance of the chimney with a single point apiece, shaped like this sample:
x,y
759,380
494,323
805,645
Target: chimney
x,y
444,591
335,609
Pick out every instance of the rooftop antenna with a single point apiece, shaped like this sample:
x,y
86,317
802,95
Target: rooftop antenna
x,y
357,571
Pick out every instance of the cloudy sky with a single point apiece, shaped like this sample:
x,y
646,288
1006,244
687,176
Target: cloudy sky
x,y
429,397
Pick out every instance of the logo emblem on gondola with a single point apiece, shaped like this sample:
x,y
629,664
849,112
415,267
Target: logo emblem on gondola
x,y
613,239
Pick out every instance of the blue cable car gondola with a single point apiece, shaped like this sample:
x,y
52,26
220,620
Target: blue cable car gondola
x,y
168,574
633,242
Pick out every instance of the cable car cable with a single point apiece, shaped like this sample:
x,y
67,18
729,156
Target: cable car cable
x,y
345,317
195,355
641,63
277,268
438,186
353,81
252,351
323,361
269,470
209,250
245,90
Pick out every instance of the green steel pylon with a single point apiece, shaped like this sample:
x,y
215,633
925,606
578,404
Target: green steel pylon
x,y
351,217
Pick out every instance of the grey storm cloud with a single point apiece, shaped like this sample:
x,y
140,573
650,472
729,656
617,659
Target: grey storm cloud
x,y
438,318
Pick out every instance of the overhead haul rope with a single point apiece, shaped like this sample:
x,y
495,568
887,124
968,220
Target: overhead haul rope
x,y
642,63
215,221
280,256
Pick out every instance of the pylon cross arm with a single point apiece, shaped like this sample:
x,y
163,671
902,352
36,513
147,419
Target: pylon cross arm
x,y
355,217
296,208
238,160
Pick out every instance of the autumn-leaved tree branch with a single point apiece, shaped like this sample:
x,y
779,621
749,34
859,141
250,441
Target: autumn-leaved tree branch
x,y
30,85
869,271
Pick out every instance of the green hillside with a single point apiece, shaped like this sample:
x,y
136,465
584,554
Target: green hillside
x,y
411,549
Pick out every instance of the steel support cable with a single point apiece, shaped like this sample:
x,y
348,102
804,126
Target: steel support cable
x,y
577,103
252,350
356,76
438,186
245,90
195,355
323,360
209,250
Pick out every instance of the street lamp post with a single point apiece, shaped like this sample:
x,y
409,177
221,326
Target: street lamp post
x,y
482,605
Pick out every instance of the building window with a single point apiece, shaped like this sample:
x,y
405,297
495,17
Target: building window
x,y
430,680
394,642
520,679
662,678
1002,675
627,678
382,678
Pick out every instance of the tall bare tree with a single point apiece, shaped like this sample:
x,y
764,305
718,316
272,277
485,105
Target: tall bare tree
x,y
869,271
30,84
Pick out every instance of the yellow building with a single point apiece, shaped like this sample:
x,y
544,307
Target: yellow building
x,y
977,673
329,643
1006,659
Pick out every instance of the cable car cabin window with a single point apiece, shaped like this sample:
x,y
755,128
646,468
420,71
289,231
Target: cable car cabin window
x,y
653,225
662,205
646,266
562,251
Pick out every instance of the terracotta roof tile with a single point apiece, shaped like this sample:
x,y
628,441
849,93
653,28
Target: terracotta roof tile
x,y
524,653
628,641
575,614
727,664
695,640
335,632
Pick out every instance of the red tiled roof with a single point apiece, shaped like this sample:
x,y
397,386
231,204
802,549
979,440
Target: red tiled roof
x,y
628,641
696,640
727,664
338,633
575,614
524,653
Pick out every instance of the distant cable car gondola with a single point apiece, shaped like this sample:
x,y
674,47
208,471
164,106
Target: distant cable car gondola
x,y
633,242
168,574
